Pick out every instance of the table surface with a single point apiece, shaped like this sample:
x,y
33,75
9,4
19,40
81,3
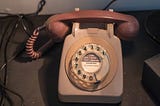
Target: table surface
x,y
37,80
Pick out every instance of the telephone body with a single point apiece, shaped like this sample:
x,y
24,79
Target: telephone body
x,y
100,57
91,63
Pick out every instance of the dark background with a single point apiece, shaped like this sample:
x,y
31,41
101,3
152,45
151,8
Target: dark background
x,y
37,80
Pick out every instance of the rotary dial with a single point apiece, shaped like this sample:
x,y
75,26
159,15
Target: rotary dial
x,y
89,66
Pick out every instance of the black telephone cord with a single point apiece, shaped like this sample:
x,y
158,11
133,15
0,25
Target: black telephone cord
x,y
109,4
5,65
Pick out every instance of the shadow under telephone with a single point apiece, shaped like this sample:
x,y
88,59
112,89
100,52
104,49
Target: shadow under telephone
x,y
91,63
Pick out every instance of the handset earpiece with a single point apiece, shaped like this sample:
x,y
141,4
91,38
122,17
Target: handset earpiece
x,y
57,26
57,30
127,30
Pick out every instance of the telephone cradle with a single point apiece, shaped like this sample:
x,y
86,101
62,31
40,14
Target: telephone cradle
x,y
91,69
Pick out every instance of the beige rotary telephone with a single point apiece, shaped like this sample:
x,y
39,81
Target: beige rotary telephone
x,y
91,62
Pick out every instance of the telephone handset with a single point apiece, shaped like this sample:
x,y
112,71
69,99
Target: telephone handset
x,y
91,62
126,26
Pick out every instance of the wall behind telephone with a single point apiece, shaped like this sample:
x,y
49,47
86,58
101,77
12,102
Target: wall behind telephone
x,y
59,6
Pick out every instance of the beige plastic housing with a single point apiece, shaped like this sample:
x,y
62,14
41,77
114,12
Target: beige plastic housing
x,y
112,92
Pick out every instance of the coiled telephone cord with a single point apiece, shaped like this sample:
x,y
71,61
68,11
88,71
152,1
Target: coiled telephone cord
x,y
30,44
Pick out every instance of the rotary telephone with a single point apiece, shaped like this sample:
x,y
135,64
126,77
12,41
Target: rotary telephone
x,y
91,63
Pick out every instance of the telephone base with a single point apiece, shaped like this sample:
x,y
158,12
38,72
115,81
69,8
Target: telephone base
x,y
90,99
112,92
